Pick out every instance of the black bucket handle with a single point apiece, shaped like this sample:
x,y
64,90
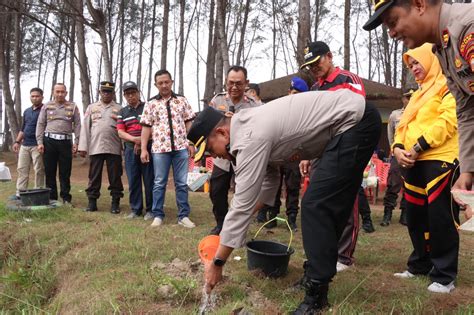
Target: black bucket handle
x,y
281,220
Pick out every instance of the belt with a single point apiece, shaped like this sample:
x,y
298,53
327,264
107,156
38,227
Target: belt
x,y
57,136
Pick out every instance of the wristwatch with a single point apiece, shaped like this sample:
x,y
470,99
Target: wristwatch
x,y
417,148
218,262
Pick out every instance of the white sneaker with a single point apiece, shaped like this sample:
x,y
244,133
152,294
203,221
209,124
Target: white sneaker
x,y
441,288
157,221
186,223
404,275
341,267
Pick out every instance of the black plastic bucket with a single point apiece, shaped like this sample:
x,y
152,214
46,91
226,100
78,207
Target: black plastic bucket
x,y
270,257
35,197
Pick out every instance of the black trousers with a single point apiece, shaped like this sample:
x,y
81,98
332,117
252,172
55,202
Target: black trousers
x,y
432,219
329,199
219,191
291,176
394,185
363,203
58,152
114,173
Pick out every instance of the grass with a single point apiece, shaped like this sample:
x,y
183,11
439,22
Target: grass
x,y
71,262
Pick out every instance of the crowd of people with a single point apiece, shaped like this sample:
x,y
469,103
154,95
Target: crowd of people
x,y
327,132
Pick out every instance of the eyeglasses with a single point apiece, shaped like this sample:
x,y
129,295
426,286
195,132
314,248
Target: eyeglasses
x,y
237,85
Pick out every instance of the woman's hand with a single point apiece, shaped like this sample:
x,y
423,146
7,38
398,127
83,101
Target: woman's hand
x,y
404,158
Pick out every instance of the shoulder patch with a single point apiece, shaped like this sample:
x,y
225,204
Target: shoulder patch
x,y
466,45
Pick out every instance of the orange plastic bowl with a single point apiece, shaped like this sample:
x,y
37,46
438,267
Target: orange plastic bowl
x,y
208,247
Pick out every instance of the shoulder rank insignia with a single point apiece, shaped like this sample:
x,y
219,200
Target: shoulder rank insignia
x,y
445,38
457,62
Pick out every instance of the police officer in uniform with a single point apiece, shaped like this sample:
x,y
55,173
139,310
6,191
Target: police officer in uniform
x,y
228,102
99,138
338,127
450,27
57,121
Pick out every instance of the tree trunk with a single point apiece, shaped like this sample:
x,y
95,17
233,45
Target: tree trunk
x,y
347,35
304,25
82,57
219,72
152,48
5,39
182,7
57,59
221,33
141,40
211,57
100,22
121,45
72,67
198,43
164,38
274,44
240,50
17,19
386,57
317,17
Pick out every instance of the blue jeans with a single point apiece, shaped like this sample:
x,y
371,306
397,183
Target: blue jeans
x,y
161,164
136,172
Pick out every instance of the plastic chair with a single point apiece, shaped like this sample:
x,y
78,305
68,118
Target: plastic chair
x,y
190,164
209,164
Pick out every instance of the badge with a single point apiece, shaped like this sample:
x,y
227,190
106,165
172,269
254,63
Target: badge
x,y
221,107
466,43
445,38
457,62
470,85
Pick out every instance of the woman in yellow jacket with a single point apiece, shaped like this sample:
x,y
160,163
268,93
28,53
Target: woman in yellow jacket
x,y
426,147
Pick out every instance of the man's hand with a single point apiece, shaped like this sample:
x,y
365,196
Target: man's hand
x,y
213,274
83,153
468,212
304,167
136,148
41,148
137,140
191,150
74,148
404,158
464,182
16,147
144,156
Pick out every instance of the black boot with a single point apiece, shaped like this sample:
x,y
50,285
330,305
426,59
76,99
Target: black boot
x,y
262,215
115,208
387,217
216,230
315,300
271,215
367,225
292,222
403,217
92,206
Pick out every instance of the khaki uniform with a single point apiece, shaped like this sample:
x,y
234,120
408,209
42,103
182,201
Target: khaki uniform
x,y
223,103
99,133
456,56
58,119
99,137
393,121
337,127
56,123
222,173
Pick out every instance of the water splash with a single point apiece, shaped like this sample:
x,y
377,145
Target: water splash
x,y
208,301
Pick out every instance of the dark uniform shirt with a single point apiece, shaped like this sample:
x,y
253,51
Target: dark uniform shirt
x,y
456,56
30,119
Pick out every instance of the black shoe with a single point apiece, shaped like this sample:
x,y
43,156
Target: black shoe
x,y
403,217
216,230
271,215
115,208
92,206
367,225
387,217
292,222
315,300
262,216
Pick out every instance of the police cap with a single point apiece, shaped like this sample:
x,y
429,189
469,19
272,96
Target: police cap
x,y
313,52
380,6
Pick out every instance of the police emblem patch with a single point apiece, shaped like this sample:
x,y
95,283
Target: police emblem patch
x,y
457,62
